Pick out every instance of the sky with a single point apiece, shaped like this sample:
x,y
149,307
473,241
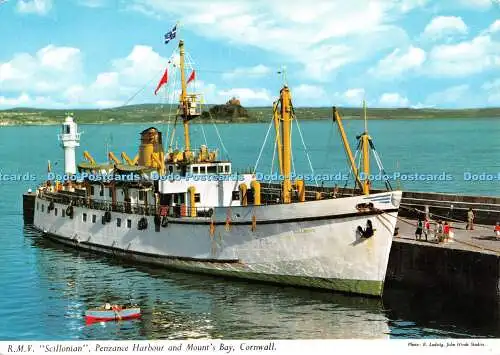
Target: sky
x,y
392,53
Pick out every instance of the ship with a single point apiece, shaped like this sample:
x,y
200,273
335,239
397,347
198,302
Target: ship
x,y
185,209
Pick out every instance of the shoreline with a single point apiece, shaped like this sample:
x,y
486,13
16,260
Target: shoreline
x,y
51,122
161,114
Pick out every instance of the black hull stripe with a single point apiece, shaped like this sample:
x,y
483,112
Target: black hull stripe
x,y
288,220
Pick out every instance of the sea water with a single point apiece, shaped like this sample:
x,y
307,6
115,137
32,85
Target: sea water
x,y
45,289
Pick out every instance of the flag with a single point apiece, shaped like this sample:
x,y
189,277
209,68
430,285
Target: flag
x,y
191,77
170,35
163,80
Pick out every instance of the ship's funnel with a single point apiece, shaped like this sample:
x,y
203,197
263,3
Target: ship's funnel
x,y
151,149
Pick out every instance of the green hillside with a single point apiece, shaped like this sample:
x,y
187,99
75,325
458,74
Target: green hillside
x,y
161,113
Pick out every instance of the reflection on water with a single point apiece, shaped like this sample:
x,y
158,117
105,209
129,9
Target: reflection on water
x,y
178,306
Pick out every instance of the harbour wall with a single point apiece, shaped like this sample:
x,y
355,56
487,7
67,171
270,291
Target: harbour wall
x,y
28,207
460,272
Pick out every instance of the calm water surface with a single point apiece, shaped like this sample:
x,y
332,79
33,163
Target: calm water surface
x,y
46,289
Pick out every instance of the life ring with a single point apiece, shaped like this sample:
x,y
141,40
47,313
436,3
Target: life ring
x,y
164,221
107,216
69,211
163,210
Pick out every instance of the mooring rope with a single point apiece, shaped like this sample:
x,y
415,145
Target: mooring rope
x,y
497,251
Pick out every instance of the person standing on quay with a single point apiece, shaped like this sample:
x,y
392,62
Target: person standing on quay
x,y
470,220
446,231
427,228
497,231
439,232
418,232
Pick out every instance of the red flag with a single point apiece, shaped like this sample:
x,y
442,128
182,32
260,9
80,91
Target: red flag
x,y
191,77
163,80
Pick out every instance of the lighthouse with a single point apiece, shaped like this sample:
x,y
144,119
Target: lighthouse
x,y
70,139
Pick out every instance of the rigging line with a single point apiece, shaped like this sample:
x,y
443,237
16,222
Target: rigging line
x,y
203,132
305,148
172,98
170,101
350,170
167,95
218,135
263,145
173,134
291,150
138,91
274,156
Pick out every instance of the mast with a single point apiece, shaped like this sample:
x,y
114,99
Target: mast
x,y
286,118
279,146
184,104
347,147
365,142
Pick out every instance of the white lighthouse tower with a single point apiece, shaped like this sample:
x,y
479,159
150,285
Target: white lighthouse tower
x,y
70,139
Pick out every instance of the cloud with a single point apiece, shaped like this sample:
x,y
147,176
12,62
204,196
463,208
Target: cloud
x,y
247,73
492,89
408,5
50,69
247,96
25,100
444,26
93,3
493,28
477,4
393,99
38,7
309,95
351,97
399,62
140,69
451,95
293,30
464,58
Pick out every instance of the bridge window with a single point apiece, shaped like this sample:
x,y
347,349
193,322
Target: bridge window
x,y
236,195
63,213
196,197
84,217
55,211
94,218
37,205
142,195
110,192
118,222
212,170
129,223
92,190
196,170
43,207
101,192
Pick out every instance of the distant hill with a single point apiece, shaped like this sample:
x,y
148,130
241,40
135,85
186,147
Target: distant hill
x,y
229,112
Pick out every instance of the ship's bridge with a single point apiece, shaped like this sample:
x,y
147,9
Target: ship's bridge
x,y
201,162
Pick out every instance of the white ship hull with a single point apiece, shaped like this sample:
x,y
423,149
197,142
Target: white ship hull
x,y
313,244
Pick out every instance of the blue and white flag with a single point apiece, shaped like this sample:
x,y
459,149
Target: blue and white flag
x,y
170,35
